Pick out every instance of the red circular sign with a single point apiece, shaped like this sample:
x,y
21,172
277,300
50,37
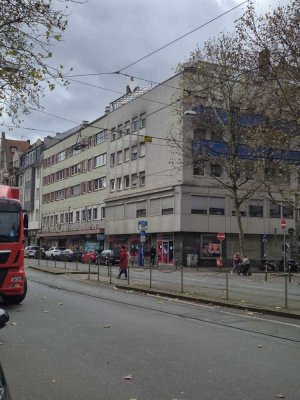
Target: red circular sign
x,y
221,236
283,224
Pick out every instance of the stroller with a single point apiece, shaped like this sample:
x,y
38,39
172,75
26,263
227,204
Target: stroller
x,y
244,267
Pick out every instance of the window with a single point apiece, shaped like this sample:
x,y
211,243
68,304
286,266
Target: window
x,y
60,194
141,212
119,131
119,157
75,190
287,212
55,219
95,213
112,159
216,170
113,134
127,128
60,175
77,216
126,154
126,181
100,137
90,186
198,168
142,150
256,210
51,220
60,156
83,215
66,218
100,183
142,178
119,183
274,210
112,185
143,120
90,164
135,123
134,180
71,217
62,218
100,160
199,205
199,134
75,169
134,153
216,205
89,214
167,211
102,212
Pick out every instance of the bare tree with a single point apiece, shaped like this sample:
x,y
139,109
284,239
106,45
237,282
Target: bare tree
x,y
232,144
28,31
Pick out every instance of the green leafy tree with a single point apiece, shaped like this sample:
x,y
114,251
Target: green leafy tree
x,y
29,29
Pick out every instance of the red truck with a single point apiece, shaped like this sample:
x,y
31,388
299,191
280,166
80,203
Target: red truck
x,y
13,222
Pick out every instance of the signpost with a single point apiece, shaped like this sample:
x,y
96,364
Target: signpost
x,y
142,226
283,227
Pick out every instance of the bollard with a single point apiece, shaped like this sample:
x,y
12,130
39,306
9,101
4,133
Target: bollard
x,y
227,284
39,257
181,273
285,290
150,276
65,262
128,275
54,262
98,272
290,274
76,263
89,275
132,261
110,273
176,262
46,262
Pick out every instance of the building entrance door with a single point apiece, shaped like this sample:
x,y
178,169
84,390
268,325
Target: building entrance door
x,y
165,251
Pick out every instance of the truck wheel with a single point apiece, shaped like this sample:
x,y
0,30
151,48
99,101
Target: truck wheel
x,y
15,299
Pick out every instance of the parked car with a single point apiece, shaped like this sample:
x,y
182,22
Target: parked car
x,y
108,257
69,255
89,257
30,251
52,252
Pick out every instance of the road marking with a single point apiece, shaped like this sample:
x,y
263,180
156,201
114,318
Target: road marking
x,y
261,287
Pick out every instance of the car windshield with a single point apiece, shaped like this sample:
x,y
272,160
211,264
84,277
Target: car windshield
x,y
10,216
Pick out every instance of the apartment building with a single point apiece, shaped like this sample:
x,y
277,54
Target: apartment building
x,y
74,184
156,198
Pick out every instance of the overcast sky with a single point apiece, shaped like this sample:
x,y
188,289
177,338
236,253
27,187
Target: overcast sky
x,y
104,36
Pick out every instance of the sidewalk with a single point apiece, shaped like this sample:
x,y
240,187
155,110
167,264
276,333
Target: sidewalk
x,y
189,284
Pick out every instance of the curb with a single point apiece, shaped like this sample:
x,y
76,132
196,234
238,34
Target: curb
x,y
186,297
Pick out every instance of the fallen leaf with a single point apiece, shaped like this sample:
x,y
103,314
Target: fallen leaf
x,y
60,304
260,345
278,308
128,377
280,396
14,323
44,297
53,381
242,301
106,326
46,311
250,313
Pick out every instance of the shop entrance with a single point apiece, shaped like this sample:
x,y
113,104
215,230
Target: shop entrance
x,y
165,252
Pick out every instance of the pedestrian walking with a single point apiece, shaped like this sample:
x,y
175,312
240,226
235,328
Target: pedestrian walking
x,y
235,262
123,261
152,255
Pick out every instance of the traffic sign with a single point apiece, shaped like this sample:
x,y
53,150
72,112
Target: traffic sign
x,y
291,231
283,224
221,236
264,237
142,236
142,225
285,248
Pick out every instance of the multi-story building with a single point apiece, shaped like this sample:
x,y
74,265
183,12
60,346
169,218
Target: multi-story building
x,y
157,198
74,184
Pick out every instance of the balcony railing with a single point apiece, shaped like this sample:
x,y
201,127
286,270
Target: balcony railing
x,y
74,226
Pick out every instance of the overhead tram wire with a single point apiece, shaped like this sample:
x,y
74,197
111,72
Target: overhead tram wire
x,y
165,45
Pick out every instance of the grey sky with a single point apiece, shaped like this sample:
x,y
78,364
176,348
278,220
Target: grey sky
x,y
107,35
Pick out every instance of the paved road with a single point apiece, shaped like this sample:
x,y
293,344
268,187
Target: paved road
x,y
77,340
246,290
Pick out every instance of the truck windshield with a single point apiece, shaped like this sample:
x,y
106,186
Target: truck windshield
x,y
10,214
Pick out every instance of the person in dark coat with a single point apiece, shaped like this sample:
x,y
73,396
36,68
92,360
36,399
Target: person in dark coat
x,y
124,256
152,255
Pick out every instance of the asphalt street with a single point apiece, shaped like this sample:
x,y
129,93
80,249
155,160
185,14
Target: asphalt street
x,y
76,339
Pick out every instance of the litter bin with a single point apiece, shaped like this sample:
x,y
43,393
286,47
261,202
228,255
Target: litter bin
x,y
192,260
219,262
